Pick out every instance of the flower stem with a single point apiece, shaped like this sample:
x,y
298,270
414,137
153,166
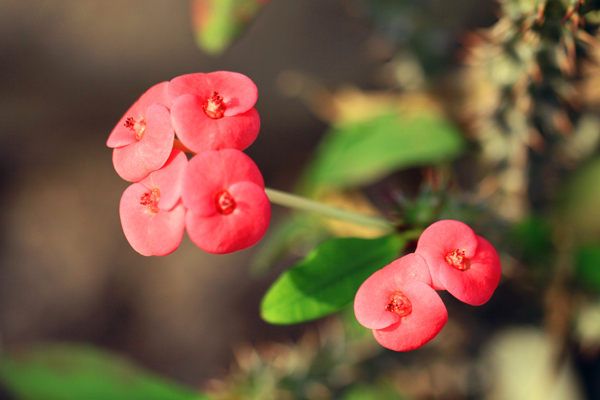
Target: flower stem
x,y
302,203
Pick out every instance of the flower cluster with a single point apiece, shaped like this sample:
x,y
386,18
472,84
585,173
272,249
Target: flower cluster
x,y
218,194
400,303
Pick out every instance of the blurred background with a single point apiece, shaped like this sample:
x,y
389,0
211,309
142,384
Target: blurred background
x,y
69,70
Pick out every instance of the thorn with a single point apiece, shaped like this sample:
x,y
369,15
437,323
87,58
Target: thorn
x,y
571,56
540,11
576,21
536,74
562,123
562,60
570,11
587,38
536,141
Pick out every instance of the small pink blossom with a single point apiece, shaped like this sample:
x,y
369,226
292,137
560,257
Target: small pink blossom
x,y
152,214
143,138
228,209
399,305
214,111
464,264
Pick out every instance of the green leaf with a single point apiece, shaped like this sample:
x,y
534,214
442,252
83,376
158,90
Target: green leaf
x,y
217,23
53,371
327,279
365,152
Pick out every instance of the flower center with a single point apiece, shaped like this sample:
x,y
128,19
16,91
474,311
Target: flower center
x,y
225,202
458,260
150,200
399,304
139,127
214,107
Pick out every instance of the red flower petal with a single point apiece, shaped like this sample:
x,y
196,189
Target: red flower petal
x,y
476,285
244,227
135,161
122,136
442,238
238,91
210,172
168,180
374,294
199,132
427,319
150,233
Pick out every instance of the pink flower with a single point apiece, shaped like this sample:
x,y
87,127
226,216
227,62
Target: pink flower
x,y
464,264
228,209
214,111
143,138
399,305
152,214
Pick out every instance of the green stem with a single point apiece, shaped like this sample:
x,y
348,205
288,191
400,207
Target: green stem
x,y
302,203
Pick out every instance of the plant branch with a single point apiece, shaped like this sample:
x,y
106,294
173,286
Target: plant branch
x,y
304,204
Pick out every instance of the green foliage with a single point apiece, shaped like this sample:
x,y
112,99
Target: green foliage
x,y
533,236
361,153
327,279
373,392
326,362
217,23
76,372
587,267
579,211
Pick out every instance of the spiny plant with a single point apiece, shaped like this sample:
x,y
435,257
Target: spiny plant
x,y
522,100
